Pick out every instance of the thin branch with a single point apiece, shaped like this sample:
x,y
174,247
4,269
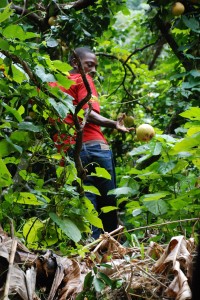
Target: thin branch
x,y
172,43
32,16
81,172
11,260
162,224
152,277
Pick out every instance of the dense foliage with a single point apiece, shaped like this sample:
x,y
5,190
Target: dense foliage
x,y
148,68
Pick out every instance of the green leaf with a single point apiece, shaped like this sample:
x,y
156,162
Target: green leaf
x,y
61,108
63,67
67,226
155,196
4,45
180,166
191,23
127,191
139,150
5,176
98,284
157,208
91,189
101,172
107,209
165,167
21,138
93,219
106,279
63,81
88,280
29,199
40,72
7,12
18,75
13,111
195,73
193,113
51,42
32,230
16,147
136,212
16,31
6,148
186,144
29,126
157,148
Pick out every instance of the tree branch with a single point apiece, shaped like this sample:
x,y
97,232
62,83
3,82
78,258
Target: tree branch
x,y
172,43
81,172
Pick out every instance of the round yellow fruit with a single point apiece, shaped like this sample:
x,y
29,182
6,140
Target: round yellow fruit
x,y
52,21
145,132
128,121
178,9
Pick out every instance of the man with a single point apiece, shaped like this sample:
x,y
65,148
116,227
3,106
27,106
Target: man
x,y
95,149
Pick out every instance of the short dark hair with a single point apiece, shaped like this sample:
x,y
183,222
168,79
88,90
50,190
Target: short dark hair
x,y
80,51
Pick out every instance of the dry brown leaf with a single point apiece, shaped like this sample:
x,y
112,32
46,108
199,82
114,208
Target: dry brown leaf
x,y
71,284
155,250
179,287
176,250
18,283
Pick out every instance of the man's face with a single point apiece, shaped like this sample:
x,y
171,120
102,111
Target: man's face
x,y
89,63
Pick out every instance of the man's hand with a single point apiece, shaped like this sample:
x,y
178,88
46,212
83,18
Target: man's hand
x,y
120,124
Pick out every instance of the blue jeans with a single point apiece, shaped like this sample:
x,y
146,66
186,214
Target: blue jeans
x,y
99,155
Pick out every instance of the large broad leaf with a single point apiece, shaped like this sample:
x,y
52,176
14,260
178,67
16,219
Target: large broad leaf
x,y
123,191
6,148
5,176
40,72
193,113
166,167
63,67
186,144
16,147
16,31
7,12
63,81
94,220
13,111
51,42
91,189
30,199
61,108
32,230
4,45
191,23
158,207
18,75
101,172
29,126
139,150
155,196
107,209
67,226
99,285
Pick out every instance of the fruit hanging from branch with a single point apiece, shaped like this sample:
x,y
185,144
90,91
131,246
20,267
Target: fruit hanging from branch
x,y
129,121
145,132
52,20
178,9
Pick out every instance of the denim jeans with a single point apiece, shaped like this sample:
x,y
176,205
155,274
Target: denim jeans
x,y
99,155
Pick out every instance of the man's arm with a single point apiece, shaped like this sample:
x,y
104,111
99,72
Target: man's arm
x,y
99,120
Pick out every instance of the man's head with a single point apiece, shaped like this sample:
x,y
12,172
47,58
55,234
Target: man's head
x,y
88,60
